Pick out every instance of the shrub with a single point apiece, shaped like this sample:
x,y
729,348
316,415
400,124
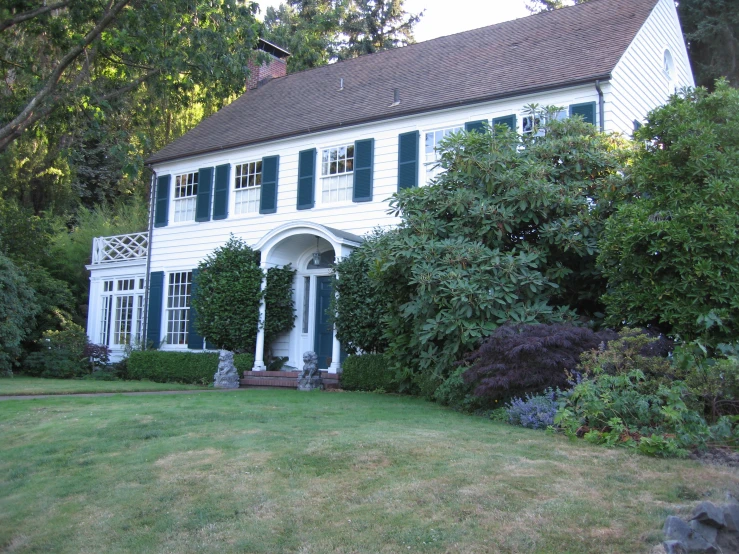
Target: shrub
x,y
368,372
226,296
18,309
243,362
172,367
456,393
65,354
714,382
670,252
534,412
279,303
521,359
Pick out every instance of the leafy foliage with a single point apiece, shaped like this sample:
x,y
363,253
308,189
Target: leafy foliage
x,y
279,304
368,372
359,303
18,309
228,296
670,254
520,359
172,367
534,412
65,354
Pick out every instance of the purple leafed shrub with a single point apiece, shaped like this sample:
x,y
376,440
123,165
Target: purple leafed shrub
x,y
533,412
527,359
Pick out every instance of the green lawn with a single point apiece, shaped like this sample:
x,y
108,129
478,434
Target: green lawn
x,y
265,471
34,385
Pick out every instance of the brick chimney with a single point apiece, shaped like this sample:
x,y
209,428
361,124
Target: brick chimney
x,y
274,67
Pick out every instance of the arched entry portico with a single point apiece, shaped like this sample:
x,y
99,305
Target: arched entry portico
x,y
302,244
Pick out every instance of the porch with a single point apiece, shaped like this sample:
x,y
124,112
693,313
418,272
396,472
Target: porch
x,y
285,379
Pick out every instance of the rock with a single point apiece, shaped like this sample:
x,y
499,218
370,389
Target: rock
x,y
708,532
677,530
227,377
731,517
727,542
708,513
674,547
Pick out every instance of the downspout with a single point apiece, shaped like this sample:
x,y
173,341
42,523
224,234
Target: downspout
x,y
601,108
148,262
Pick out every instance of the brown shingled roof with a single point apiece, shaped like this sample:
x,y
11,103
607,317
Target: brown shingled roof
x,y
546,51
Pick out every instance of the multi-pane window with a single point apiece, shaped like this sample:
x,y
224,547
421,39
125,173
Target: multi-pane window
x,y
178,306
337,173
105,313
248,183
185,195
123,320
433,138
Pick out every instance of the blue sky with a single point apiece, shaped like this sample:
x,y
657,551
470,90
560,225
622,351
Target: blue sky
x,y
446,17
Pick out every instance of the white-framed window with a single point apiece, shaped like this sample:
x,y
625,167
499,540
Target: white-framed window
x,y
178,306
122,311
247,187
432,140
668,66
185,196
337,173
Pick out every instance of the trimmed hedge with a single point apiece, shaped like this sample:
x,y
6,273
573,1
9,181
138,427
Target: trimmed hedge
x,y
180,367
368,372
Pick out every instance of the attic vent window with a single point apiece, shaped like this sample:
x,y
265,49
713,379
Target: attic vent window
x,y
668,66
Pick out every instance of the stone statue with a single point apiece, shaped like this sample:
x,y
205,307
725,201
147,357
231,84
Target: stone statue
x,y
226,377
310,378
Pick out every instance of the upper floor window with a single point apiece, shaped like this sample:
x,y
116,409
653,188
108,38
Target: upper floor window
x,y
433,138
247,185
337,173
185,196
668,66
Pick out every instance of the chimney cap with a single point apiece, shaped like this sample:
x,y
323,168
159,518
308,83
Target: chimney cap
x,y
273,49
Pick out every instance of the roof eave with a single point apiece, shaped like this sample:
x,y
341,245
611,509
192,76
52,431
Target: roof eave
x,y
532,90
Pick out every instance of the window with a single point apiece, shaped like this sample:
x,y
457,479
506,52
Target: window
x,y
178,306
123,320
433,138
105,315
668,66
337,169
306,303
122,311
185,195
247,185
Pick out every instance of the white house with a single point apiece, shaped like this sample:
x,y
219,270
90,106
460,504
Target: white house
x,y
306,163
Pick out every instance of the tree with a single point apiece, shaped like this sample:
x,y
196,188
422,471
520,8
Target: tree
x,y
18,309
319,31
670,254
711,29
375,25
228,296
93,53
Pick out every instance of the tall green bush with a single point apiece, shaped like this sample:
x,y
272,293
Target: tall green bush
x,y
368,372
18,309
228,296
670,253
172,367
508,232
279,303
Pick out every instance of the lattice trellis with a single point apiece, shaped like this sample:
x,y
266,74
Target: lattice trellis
x,y
120,248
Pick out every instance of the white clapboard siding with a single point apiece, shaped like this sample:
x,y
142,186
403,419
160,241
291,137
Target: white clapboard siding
x,y
639,83
184,245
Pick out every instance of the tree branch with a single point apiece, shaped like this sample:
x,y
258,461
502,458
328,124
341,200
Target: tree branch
x,y
24,119
129,87
25,16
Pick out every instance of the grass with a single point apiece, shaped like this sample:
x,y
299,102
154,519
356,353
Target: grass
x,y
21,385
270,471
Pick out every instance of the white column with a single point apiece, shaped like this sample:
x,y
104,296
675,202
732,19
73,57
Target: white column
x,y
259,354
335,366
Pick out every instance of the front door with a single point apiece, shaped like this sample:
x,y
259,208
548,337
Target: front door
x,y
324,330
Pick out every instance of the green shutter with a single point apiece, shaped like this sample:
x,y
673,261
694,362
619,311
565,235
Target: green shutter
x,y
509,120
194,340
154,317
220,191
161,204
478,126
408,160
205,188
586,110
268,197
363,162
306,179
